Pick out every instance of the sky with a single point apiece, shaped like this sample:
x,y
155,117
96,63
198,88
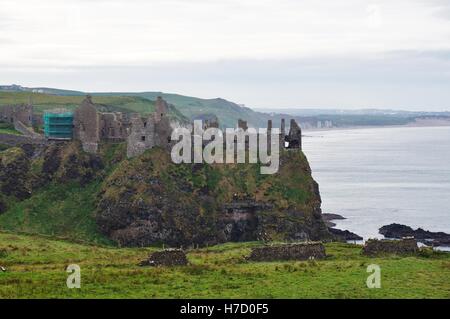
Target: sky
x,y
261,53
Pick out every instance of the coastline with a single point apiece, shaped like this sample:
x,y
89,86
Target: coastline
x,y
360,180
362,127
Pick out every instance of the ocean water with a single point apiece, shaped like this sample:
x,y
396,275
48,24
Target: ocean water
x,y
375,177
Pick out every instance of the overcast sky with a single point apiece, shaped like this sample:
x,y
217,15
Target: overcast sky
x,y
262,53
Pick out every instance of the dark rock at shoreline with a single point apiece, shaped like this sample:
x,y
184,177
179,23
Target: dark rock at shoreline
x,y
329,224
328,218
426,237
344,234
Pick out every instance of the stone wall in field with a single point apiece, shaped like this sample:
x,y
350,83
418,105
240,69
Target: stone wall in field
x,y
301,251
374,247
169,257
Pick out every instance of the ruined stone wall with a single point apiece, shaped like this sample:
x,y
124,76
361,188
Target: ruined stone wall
x,y
163,132
161,108
375,247
142,135
13,113
301,251
169,257
7,114
27,131
87,126
113,126
242,124
295,135
145,133
24,114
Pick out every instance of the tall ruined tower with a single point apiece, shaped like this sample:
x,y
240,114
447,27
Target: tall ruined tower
x,y
295,135
282,133
161,108
86,125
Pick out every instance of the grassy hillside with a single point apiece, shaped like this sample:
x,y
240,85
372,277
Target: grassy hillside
x,y
227,112
36,269
41,102
65,211
191,107
60,187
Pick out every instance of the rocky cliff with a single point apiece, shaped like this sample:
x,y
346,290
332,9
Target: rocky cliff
x,y
149,200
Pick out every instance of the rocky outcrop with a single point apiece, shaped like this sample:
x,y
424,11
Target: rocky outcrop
x,y
18,140
344,235
3,205
375,247
25,169
302,251
423,236
65,162
149,200
14,168
328,218
170,257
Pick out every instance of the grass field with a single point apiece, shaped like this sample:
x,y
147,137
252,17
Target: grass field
x,y
36,269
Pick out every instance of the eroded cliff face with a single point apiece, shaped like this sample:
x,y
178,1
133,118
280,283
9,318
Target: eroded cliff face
x,y
14,176
150,200
24,171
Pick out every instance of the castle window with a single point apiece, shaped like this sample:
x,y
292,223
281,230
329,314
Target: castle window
x,y
145,124
143,138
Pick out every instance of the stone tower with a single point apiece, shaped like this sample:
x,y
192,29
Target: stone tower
x,y
161,108
86,125
295,135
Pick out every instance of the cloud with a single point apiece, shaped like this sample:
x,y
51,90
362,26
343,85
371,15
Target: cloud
x,y
143,32
409,80
258,52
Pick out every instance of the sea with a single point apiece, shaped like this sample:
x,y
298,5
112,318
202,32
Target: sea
x,y
378,176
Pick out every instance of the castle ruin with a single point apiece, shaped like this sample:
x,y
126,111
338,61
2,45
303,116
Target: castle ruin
x,y
17,113
91,127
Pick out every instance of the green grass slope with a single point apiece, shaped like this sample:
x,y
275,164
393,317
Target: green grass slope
x,y
116,103
188,106
36,269
58,210
59,205
227,112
